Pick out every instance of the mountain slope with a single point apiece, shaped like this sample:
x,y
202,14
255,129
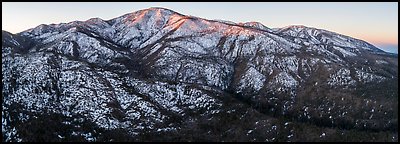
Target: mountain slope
x,y
156,71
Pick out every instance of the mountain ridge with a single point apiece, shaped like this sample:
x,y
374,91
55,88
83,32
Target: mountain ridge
x,y
156,72
159,9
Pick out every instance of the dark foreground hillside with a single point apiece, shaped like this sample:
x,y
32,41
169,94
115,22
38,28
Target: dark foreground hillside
x,y
157,75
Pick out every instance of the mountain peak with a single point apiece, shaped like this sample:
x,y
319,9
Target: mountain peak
x,y
154,72
257,25
159,8
325,36
295,27
156,10
94,20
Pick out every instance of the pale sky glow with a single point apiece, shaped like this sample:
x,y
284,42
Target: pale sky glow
x,y
376,23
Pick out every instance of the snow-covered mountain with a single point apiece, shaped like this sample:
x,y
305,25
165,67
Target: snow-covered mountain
x,y
156,74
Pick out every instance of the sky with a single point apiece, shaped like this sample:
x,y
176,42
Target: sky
x,y
374,22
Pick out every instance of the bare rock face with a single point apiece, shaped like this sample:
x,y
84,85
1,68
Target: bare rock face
x,y
157,75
